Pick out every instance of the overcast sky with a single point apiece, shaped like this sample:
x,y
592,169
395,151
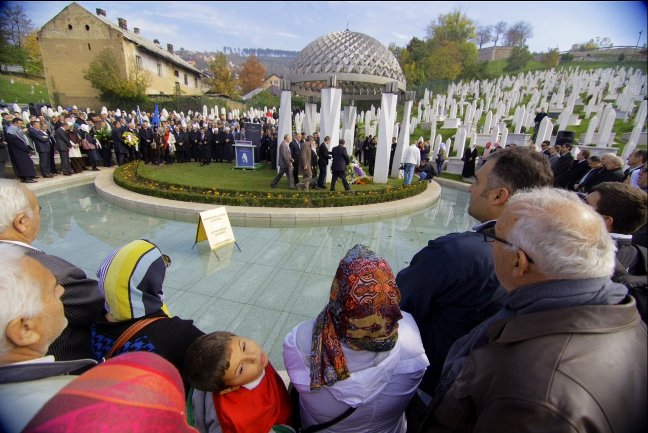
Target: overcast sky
x,y
208,26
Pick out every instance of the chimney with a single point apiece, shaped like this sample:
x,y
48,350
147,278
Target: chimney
x,y
101,12
136,30
156,42
122,24
170,48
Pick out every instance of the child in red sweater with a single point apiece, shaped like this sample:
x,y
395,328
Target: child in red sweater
x,y
236,387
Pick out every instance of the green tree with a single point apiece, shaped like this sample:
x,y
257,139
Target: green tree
x,y
518,59
263,99
444,62
551,58
14,27
223,81
453,26
113,84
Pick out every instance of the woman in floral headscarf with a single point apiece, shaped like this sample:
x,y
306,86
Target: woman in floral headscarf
x,y
361,352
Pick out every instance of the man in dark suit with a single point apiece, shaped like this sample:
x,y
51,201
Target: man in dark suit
x,y
612,172
578,169
42,144
146,138
118,142
295,150
562,165
323,156
20,151
338,167
63,145
82,300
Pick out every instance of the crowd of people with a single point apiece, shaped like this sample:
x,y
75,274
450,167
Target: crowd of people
x,y
529,322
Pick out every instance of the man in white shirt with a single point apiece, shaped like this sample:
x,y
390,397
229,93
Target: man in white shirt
x,y
411,160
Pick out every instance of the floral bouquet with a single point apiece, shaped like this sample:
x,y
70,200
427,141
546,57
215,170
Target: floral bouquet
x,y
130,138
357,174
103,134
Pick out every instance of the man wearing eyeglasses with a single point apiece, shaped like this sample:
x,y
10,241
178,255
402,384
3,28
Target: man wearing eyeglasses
x,y
450,285
82,302
568,350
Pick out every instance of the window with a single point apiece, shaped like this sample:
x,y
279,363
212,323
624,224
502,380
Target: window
x,y
89,49
176,73
196,82
70,26
186,80
159,68
87,27
138,62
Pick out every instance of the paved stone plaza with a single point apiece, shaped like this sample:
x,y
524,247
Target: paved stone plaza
x,y
281,277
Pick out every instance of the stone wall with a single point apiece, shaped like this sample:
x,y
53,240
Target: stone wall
x,y
494,53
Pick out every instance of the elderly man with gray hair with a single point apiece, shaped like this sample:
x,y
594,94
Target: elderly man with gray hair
x,y
19,226
31,318
567,352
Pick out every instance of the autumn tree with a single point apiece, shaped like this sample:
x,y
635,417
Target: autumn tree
x,y
551,58
498,30
223,81
113,84
518,33
252,74
33,54
595,43
483,35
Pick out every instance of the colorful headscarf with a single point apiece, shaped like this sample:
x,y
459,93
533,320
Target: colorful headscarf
x,y
131,281
362,313
136,392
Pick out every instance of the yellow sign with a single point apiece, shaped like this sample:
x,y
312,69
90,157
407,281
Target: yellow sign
x,y
214,226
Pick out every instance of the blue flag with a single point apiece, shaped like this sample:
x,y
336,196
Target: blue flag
x,y
155,121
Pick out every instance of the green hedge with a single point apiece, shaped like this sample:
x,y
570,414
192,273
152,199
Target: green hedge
x,y
127,177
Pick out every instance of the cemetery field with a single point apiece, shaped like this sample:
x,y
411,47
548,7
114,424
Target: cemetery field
x,y
21,90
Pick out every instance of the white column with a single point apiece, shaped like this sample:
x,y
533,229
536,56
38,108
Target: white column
x,y
589,134
542,130
309,118
636,133
386,122
403,137
285,115
607,122
330,116
349,116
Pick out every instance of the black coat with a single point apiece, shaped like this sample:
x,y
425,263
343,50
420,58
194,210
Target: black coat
x,y
63,142
340,158
575,173
560,169
323,155
19,152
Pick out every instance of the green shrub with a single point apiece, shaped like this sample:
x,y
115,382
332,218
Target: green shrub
x,y
127,177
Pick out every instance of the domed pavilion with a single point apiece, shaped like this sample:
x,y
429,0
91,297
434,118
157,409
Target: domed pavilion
x,y
361,64
351,66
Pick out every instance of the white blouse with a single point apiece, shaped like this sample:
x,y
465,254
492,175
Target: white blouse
x,y
380,386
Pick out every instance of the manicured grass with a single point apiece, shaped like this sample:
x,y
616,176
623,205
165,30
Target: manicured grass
x,y
20,91
225,177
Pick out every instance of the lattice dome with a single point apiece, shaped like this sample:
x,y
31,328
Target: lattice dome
x,y
361,65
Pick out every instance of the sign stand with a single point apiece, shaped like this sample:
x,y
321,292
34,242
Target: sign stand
x,y
214,226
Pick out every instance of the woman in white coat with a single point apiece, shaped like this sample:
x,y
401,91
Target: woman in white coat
x,y
361,352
